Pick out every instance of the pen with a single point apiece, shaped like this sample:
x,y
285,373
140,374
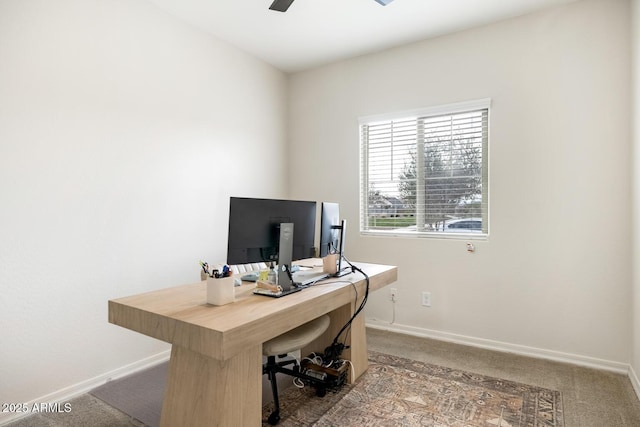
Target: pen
x,y
205,267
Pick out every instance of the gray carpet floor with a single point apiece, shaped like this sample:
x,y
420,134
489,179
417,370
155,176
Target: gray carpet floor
x,y
592,398
145,407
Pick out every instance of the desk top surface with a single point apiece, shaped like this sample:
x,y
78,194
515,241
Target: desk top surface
x,y
180,315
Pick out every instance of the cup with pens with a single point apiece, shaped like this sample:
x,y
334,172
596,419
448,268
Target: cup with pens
x,y
220,286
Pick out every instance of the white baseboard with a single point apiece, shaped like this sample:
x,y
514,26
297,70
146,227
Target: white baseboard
x,y
68,393
575,359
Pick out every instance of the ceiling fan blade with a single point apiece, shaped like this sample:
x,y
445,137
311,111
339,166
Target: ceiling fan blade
x,y
281,5
384,2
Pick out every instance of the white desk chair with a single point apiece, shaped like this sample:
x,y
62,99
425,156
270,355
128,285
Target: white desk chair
x,y
286,343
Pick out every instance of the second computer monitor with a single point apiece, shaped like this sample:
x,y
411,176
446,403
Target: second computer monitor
x,y
329,229
333,231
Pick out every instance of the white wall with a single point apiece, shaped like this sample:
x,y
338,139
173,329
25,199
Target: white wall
x,y
554,277
120,131
635,122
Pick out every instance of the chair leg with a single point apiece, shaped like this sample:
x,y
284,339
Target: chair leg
x,y
274,418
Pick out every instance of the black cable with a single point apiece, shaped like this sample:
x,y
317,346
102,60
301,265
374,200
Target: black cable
x,y
334,351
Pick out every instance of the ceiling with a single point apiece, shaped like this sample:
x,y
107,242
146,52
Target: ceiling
x,y
317,32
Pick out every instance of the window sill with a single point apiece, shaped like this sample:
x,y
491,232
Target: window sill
x,y
426,235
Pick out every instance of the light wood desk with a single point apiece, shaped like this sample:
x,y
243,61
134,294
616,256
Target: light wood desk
x,y
215,371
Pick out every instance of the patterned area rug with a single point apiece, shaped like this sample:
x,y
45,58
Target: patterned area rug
x,y
400,392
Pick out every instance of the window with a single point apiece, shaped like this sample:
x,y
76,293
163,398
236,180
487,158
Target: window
x,y
425,172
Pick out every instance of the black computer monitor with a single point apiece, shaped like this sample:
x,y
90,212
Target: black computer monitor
x,y
329,228
254,229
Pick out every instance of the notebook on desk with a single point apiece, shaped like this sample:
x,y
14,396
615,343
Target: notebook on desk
x,y
301,280
268,293
308,277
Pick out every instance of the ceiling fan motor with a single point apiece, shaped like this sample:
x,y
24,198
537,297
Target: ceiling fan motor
x,y
283,5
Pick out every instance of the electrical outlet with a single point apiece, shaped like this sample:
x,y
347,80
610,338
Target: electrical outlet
x,y
426,299
393,294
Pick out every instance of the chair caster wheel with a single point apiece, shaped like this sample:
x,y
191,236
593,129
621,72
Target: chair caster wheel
x,y
274,418
321,392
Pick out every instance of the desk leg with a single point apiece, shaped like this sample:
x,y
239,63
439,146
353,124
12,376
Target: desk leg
x,y
358,342
202,391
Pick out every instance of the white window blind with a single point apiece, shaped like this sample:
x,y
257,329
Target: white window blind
x,y
426,173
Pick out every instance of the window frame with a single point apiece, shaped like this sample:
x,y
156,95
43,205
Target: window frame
x,y
439,110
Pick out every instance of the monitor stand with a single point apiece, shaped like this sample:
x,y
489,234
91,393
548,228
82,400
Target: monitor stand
x,y
285,256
